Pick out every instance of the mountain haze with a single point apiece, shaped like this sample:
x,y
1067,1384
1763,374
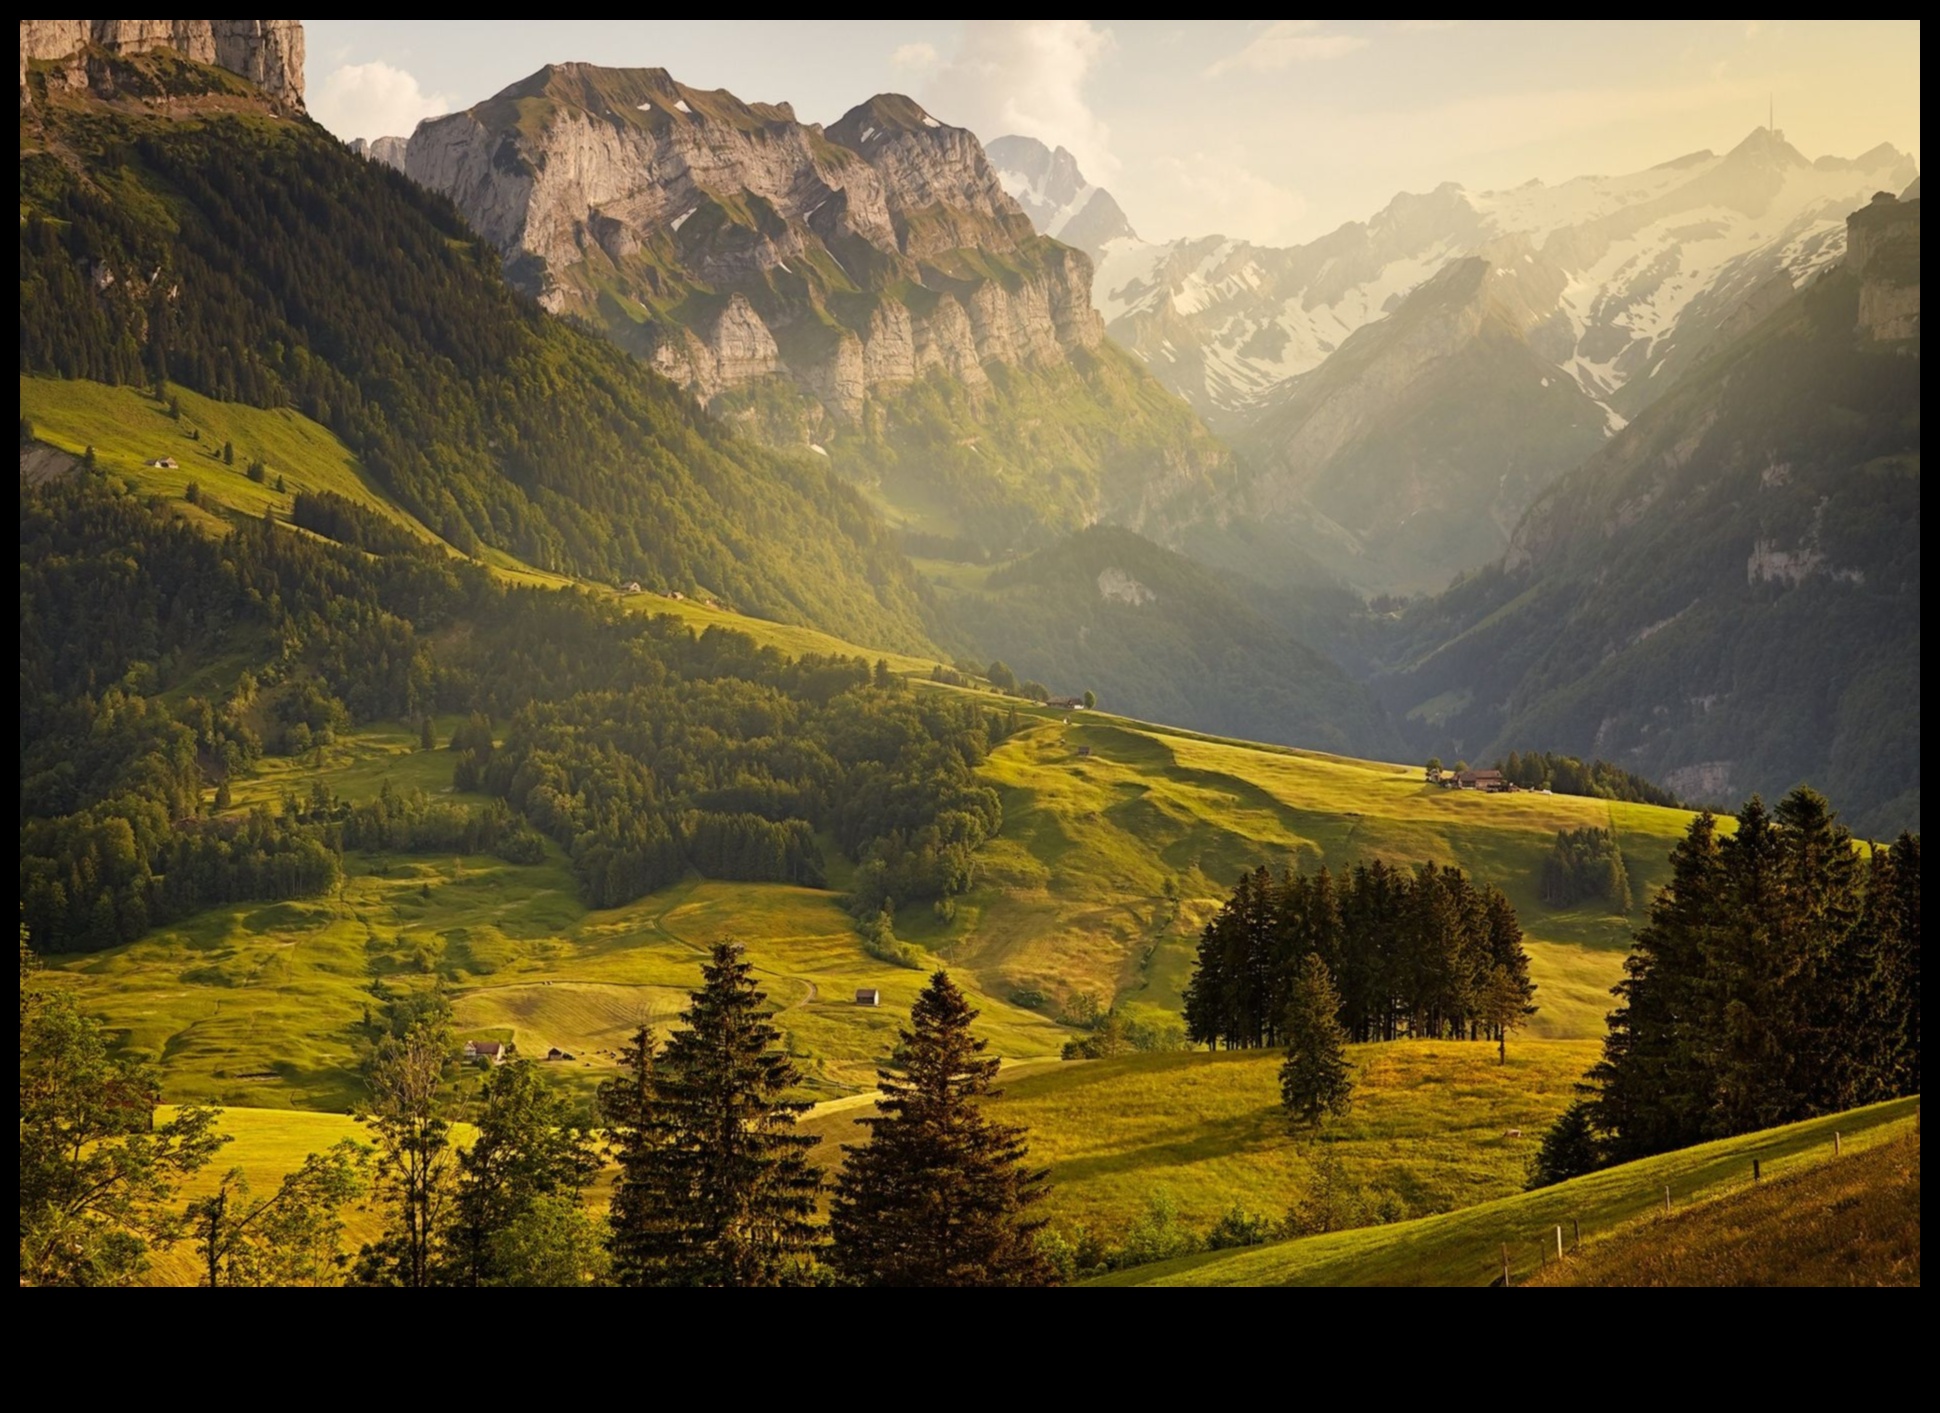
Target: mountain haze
x,y
1056,196
1726,598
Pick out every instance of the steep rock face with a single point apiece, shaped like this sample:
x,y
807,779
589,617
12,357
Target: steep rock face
x,y
269,53
1884,253
726,242
388,150
1056,196
1727,596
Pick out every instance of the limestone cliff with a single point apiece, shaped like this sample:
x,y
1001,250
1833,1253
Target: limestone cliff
x,y
727,242
1883,250
268,53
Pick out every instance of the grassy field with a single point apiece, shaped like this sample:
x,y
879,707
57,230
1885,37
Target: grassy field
x,y
1855,1221
1465,1247
1110,862
1429,1130
1106,868
264,1005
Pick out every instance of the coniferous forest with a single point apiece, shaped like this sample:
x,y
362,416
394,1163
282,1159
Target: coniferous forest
x,y
1778,977
640,748
1422,953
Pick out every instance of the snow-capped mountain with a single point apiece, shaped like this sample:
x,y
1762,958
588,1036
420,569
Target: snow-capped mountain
x,y
1645,267
1056,196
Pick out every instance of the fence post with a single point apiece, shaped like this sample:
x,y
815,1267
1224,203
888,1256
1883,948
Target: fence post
x,y
1505,1264
1835,1143
1756,1172
1559,1241
1667,1199
1576,1233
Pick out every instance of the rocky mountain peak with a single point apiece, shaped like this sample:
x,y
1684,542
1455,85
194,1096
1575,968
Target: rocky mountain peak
x,y
268,53
1055,195
727,242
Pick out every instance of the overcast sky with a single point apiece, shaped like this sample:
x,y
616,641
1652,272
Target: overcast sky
x,y
1276,131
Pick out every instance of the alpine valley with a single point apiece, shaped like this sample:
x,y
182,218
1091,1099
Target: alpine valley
x,y
595,673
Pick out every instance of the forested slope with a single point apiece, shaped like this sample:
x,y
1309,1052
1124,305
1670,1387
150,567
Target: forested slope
x,y
181,230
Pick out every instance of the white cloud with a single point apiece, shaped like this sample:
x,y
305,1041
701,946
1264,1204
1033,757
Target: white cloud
x,y
1027,77
373,100
914,56
1287,42
1223,195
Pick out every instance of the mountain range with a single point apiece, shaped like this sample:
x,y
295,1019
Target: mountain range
x,y
1403,388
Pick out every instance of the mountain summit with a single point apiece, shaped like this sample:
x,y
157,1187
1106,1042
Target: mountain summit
x,y
726,242
1056,196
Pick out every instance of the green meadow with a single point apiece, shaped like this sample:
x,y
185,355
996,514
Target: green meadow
x,y
1465,1247
1435,1125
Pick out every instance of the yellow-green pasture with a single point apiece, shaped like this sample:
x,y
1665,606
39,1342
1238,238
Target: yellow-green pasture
x,y
266,1004
1465,1247
1120,839
1435,1125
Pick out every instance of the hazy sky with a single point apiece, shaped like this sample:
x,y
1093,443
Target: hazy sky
x,y
1276,130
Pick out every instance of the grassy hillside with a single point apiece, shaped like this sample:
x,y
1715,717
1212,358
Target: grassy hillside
x,y
1465,1247
1429,1130
1110,862
265,1005
1851,1222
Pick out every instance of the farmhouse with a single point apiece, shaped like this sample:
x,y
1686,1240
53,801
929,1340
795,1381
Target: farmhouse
x,y
868,996
1084,750
1067,703
1490,781
490,1052
167,463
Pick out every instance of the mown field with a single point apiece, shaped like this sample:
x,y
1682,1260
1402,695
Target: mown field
x,y
1465,1247
1853,1221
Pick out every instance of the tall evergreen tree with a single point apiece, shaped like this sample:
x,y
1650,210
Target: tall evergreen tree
x,y
1315,1078
734,1187
637,1134
940,1193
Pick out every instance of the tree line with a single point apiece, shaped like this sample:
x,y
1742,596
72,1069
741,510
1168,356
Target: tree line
x,y
1419,952
714,1186
1778,977
1585,863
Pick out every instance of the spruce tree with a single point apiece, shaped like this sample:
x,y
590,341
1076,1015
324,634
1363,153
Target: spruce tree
x,y
1570,1148
636,1135
731,1180
939,1195
1315,1078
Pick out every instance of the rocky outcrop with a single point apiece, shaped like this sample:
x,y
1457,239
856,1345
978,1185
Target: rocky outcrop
x,y
388,150
1883,250
728,242
268,53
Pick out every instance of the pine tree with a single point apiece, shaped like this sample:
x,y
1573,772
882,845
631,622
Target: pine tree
x,y
1570,1148
637,1135
733,1186
939,1194
1315,1078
